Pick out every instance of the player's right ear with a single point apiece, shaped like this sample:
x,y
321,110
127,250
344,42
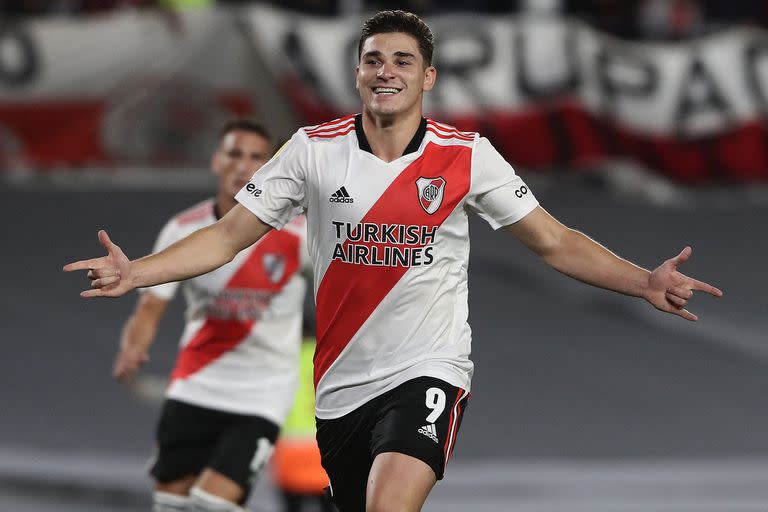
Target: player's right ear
x,y
216,162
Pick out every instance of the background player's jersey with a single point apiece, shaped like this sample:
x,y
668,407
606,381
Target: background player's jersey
x,y
240,347
390,247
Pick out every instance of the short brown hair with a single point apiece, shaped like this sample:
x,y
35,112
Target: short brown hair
x,y
246,124
385,22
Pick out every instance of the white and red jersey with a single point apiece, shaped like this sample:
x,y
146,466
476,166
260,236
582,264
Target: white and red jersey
x,y
240,348
389,243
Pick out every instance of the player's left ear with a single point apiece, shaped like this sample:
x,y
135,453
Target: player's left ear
x,y
430,76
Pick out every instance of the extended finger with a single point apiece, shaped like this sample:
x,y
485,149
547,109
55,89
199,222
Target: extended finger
x,y
679,311
705,287
683,256
95,292
103,291
686,314
106,241
84,264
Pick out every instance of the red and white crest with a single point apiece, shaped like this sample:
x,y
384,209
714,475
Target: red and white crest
x,y
430,193
274,266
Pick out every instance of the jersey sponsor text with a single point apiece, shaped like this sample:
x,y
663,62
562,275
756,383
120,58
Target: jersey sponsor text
x,y
391,245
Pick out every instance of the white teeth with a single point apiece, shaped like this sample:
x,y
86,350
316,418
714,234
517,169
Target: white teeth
x,y
385,90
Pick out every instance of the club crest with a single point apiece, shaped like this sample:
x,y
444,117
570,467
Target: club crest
x,y
430,193
274,266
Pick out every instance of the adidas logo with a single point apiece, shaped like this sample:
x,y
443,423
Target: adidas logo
x,y
430,431
341,196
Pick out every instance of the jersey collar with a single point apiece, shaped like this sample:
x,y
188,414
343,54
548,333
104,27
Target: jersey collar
x,y
412,146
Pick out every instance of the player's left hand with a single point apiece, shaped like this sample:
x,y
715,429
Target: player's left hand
x,y
669,290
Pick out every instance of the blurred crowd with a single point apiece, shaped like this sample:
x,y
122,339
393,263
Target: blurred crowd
x,y
73,7
667,19
632,19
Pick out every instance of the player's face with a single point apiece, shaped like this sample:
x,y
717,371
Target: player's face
x,y
391,77
240,154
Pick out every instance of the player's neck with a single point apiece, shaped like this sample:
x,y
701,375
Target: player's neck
x,y
224,203
389,136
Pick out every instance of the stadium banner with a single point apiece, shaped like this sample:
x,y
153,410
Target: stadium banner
x,y
553,93
130,88
138,88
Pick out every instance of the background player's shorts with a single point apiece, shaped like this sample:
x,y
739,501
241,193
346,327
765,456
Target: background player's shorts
x,y
420,418
191,438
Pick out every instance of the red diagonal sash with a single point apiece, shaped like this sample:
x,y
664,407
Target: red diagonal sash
x,y
349,293
218,336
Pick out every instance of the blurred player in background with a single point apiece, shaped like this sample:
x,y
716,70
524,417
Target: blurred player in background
x,y
387,193
236,371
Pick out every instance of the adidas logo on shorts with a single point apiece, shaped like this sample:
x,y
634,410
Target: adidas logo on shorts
x,y
341,196
430,431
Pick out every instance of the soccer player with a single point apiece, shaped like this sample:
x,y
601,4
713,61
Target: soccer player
x,y
237,367
387,193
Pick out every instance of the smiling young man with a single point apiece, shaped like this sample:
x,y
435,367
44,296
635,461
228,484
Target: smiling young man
x,y
387,194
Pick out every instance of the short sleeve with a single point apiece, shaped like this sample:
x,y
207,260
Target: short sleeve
x,y
168,236
497,193
277,192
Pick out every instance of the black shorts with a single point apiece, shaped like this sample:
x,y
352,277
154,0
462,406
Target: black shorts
x,y
191,438
420,418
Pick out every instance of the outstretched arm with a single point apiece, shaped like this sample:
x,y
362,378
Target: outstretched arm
x,y
202,251
138,334
576,255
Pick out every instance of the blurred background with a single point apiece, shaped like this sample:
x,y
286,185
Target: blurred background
x,y
640,122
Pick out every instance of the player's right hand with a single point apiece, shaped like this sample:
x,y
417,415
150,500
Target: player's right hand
x,y
128,362
110,275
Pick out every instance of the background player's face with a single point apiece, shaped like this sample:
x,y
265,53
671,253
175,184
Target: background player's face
x,y
240,154
391,77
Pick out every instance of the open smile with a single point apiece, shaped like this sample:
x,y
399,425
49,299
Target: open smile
x,y
385,91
